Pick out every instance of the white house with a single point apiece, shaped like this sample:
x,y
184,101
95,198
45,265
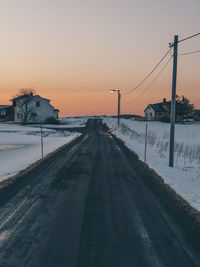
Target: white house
x,y
29,108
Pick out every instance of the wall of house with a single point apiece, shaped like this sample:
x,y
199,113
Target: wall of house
x,y
18,110
43,111
157,116
149,113
55,114
160,115
166,107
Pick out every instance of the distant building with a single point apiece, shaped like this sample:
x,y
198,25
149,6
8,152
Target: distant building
x,y
158,111
195,115
6,113
30,108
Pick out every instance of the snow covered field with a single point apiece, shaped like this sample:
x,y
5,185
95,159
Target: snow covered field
x,y
20,146
185,176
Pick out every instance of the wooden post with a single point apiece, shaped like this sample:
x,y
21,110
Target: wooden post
x,y
42,149
145,145
118,110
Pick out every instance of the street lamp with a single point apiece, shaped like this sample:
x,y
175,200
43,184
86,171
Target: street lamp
x,y
118,110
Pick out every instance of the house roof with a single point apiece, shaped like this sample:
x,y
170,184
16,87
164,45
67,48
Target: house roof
x,y
5,106
29,97
21,96
158,107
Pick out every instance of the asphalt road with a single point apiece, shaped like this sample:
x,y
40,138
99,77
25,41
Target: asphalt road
x,y
94,204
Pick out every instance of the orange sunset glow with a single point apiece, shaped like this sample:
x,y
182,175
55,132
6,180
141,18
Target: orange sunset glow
x,y
75,52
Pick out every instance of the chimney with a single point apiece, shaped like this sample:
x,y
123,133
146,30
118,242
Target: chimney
x,y
164,100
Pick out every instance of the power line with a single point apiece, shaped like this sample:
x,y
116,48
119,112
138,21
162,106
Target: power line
x,y
149,73
187,38
189,53
150,83
194,35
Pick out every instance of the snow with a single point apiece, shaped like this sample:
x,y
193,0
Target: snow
x,y
66,122
20,146
74,122
184,177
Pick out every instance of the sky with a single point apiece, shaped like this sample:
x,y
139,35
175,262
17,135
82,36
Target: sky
x,y
75,52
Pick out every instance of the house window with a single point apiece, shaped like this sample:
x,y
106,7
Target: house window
x,y
150,114
33,115
3,112
38,104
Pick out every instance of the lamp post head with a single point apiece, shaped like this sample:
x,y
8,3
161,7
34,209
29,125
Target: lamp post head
x,y
114,90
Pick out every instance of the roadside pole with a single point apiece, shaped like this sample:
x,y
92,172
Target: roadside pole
x,y
118,113
42,148
173,103
145,145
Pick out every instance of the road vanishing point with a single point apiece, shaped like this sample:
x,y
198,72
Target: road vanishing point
x,y
93,203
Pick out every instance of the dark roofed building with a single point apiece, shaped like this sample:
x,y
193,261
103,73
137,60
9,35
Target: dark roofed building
x,y
158,111
6,113
195,115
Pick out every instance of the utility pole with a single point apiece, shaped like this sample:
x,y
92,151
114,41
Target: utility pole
x,y
173,103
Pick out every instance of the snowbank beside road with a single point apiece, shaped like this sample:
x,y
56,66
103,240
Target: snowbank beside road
x,y
20,146
184,178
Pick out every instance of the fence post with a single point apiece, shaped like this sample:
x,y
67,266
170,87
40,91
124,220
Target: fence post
x,y
42,149
145,145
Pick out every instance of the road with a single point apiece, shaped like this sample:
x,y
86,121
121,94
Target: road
x,y
93,204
